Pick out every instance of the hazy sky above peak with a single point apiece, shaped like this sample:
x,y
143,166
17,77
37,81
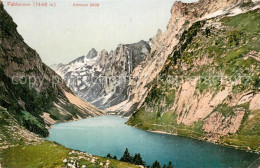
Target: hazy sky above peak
x,y
63,33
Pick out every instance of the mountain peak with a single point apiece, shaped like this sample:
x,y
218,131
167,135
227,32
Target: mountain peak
x,y
92,54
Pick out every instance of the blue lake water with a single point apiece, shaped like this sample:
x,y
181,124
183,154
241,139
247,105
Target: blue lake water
x,y
108,134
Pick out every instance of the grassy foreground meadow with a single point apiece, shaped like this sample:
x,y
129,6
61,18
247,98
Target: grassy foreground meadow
x,y
47,154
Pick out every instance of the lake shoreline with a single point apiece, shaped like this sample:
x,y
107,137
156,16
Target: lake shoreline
x,y
61,122
212,142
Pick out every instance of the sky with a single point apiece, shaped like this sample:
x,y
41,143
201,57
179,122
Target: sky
x,y
63,33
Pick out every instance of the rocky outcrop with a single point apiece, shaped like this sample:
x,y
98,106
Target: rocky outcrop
x,y
29,87
103,78
255,103
217,124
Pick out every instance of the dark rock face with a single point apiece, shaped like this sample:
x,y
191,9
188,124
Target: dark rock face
x,y
28,88
92,54
102,79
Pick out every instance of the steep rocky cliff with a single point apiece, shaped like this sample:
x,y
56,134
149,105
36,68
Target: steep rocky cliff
x,y
103,78
33,93
208,87
183,16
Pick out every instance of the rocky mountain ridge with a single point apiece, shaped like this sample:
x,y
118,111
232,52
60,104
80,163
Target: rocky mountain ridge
x,y
102,78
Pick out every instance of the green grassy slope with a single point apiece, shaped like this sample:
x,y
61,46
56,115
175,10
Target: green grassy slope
x,y
49,155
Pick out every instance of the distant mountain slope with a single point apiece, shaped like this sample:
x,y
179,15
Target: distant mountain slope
x,y
209,88
33,93
103,78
